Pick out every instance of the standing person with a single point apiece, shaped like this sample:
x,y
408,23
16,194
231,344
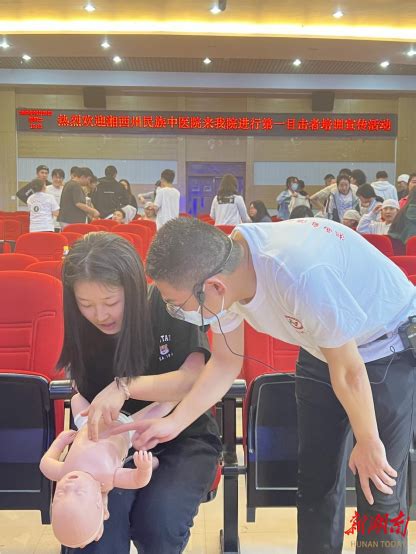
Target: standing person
x,y
121,344
166,203
55,189
228,206
342,199
404,225
110,194
151,195
73,206
299,197
42,173
369,223
284,198
131,198
382,187
319,199
411,184
402,186
258,212
43,208
358,177
301,281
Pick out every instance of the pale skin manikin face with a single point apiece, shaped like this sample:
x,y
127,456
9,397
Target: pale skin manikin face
x,y
101,304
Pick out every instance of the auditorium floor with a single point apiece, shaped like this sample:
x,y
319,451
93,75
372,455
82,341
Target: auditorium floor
x,y
273,533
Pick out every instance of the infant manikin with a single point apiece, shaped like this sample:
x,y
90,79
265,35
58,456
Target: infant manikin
x,y
90,470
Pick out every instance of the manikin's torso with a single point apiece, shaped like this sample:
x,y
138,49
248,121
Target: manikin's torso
x,y
100,459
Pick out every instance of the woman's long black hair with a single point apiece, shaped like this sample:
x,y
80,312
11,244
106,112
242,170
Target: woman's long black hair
x,y
110,260
261,211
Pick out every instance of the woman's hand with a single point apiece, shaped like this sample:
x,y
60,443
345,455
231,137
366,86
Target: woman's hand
x,y
150,432
369,459
107,405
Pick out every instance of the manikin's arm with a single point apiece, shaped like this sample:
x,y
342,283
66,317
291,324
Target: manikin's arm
x,y
50,465
135,478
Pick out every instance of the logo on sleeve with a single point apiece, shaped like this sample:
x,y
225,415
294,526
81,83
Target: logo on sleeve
x,y
295,323
165,347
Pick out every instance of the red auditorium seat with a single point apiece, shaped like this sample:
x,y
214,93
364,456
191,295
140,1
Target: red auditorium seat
x,y
279,355
53,268
125,236
276,219
381,242
412,279
72,237
82,228
107,223
184,214
12,229
411,247
406,263
143,232
44,246
227,229
31,335
15,261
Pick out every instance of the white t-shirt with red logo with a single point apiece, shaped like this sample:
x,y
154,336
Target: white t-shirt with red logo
x,y
320,284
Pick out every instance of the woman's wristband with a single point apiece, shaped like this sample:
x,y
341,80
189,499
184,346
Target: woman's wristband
x,y
122,385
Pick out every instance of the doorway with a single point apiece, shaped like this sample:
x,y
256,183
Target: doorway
x,y
203,180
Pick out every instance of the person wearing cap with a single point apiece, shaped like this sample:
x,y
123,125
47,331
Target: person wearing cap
x,y
351,219
411,183
368,223
402,188
149,212
42,173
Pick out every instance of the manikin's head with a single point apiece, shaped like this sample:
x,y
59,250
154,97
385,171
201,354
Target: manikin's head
x,y
78,510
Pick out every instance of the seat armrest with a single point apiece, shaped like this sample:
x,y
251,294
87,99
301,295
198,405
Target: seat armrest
x,y
61,390
238,390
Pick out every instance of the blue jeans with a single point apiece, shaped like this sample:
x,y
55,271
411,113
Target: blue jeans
x,y
158,517
323,427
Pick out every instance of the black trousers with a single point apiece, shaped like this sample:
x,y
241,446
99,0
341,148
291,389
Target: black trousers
x,y
323,429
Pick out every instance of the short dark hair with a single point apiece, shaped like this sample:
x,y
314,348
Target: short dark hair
x,y
82,172
343,177
73,169
366,191
110,171
41,167
300,211
345,170
228,186
329,176
381,174
121,211
185,251
111,260
359,176
37,185
168,175
58,173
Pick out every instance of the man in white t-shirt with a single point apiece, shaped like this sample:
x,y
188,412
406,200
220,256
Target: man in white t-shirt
x,y
305,281
55,189
166,203
43,208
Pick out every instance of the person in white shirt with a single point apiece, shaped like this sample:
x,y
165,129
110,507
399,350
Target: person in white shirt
x,y
166,203
43,208
228,207
304,282
383,188
55,189
368,223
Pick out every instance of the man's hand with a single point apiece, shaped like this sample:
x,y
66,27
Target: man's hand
x,y
65,438
150,432
107,405
95,214
369,459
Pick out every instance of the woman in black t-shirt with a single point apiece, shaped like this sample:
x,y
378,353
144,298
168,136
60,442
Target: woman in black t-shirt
x,y
116,328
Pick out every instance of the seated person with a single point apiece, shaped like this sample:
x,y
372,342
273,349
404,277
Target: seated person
x,y
119,216
90,470
351,219
258,212
368,223
149,212
300,212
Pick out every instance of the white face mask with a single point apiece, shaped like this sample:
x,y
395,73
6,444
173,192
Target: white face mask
x,y
194,316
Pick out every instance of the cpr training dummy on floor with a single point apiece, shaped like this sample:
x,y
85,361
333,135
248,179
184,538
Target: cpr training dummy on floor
x,y
91,470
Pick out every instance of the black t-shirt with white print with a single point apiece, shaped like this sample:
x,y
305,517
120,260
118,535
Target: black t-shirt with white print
x,y
174,340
